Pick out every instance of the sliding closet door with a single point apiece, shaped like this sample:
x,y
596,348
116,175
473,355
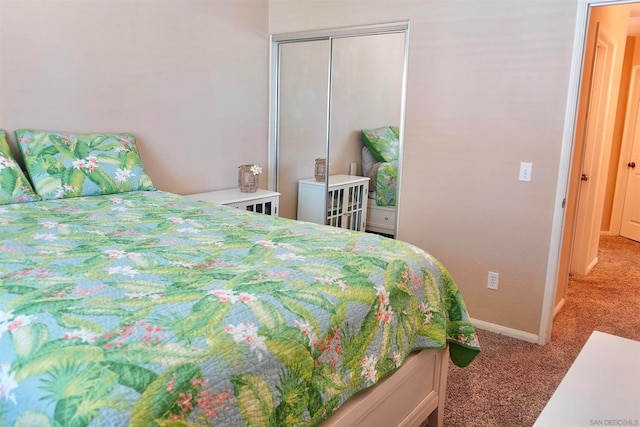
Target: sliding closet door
x,y
302,121
366,92
327,86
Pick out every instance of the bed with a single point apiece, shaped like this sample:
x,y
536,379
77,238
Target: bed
x,y
380,152
144,308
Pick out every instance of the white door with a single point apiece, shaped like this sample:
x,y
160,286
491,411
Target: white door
x,y
593,184
630,226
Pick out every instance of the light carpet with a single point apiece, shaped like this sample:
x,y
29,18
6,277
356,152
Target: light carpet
x,y
510,382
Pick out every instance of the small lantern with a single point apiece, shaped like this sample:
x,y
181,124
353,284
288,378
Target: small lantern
x,y
320,171
249,178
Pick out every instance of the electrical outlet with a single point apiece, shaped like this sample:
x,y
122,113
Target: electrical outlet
x,y
492,280
525,171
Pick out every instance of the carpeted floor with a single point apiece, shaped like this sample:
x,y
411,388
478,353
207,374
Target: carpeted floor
x,y
511,381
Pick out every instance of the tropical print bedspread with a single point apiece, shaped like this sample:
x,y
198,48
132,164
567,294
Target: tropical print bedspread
x,y
384,177
150,309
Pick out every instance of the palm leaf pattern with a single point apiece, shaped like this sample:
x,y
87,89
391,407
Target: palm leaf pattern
x,y
150,309
386,183
65,164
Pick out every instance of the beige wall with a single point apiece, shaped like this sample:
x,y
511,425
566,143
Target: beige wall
x,y
188,78
487,88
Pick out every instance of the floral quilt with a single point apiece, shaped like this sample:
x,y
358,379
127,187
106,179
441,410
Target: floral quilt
x,y
149,309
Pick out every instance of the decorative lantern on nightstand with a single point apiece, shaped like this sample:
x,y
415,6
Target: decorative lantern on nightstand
x,y
320,171
249,178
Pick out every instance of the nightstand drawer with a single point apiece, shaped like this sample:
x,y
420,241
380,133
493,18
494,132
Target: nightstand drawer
x,y
381,217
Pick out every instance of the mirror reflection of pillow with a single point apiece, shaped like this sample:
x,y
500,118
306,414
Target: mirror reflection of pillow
x,y
368,160
383,143
386,183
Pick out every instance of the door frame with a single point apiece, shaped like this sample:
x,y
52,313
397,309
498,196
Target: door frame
x,y
566,155
633,107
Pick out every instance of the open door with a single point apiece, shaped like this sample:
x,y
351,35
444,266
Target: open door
x,y
595,154
630,226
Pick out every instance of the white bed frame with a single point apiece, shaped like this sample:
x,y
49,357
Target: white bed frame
x,y
415,392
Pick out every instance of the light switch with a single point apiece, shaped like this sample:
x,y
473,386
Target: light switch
x,y
525,171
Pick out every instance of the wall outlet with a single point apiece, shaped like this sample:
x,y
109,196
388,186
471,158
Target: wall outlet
x,y
492,280
525,171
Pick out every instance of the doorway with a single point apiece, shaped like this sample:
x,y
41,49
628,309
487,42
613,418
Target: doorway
x,y
568,207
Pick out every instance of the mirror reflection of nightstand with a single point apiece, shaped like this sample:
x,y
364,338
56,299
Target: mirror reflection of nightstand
x,y
262,201
345,198
381,219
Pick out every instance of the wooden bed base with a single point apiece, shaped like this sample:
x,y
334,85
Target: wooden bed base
x,y
415,392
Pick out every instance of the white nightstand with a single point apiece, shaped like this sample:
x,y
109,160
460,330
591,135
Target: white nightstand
x,y
342,204
262,201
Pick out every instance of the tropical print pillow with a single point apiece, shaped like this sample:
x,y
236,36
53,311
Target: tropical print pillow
x,y
386,183
4,144
14,186
382,142
64,164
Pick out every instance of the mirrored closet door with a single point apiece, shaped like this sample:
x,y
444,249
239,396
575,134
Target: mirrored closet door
x,y
327,88
303,116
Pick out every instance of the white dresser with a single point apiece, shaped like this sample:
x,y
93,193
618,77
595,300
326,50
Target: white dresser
x,y
602,387
342,204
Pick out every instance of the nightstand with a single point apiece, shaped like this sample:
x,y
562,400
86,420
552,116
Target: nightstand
x,y
262,201
343,204
381,219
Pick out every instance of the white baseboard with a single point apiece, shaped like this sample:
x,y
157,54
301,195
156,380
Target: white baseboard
x,y
510,332
558,307
591,265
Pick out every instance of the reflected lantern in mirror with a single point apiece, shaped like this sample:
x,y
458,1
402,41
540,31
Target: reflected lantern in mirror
x,y
320,171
